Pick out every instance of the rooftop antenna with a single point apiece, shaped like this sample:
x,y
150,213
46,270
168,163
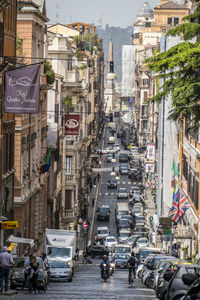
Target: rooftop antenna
x,y
57,13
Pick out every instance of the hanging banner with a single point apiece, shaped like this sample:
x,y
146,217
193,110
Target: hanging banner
x,y
150,151
22,90
72,124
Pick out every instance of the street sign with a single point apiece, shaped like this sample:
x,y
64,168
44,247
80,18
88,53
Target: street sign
x,y
85,225
9,225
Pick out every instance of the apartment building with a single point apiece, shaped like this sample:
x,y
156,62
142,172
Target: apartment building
x,y
7,120
30,185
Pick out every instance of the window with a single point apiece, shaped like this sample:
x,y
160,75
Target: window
x,y
56,113
169,21
136,35
176,21
145,81
148,24
164,30
144,113
69,65
144,123
56,85
68,199
68,164
145,96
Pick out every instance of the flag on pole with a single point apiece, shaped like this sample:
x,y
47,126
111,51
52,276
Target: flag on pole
x,y
174,210
179,206
174,174
47,163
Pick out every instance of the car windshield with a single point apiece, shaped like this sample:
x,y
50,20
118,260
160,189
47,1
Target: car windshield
x,y
58,264
133,238
122,190
122,249
111,240
103,231
21,262
144,253
123,212
104,209
136,211
58,252
142,241
124,234
122,256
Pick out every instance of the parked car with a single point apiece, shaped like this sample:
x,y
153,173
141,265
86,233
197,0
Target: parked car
x,y
98,250
17,274
121,260
177,287
112,183
142,242
59,270
122,193
103,213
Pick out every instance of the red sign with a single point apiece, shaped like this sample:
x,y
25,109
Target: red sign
x,y
72,124
85,225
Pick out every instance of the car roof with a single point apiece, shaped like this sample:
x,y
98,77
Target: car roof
x,y
102,227
124,230
109,237
104,206
122,245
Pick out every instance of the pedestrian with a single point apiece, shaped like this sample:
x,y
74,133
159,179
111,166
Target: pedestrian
x,y
94,180
98,176
33,277
77,252
93,200
101,153
6,262
100,163
84,257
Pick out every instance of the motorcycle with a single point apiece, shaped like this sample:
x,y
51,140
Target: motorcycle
x,y
112,268
104,273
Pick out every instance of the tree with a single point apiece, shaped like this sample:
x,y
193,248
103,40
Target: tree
x,y
179,67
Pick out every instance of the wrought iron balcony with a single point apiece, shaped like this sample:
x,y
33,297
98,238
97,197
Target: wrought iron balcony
x,y
4,4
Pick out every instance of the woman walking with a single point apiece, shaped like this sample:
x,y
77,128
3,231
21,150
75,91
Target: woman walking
x,y
34,269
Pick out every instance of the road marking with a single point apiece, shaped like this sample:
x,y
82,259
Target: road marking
x,y
106,194
124,182
111,193
129,182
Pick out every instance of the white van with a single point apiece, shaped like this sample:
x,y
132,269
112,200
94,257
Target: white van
x,y
122,248
102,232
122,209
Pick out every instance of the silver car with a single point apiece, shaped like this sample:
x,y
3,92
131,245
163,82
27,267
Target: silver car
x,y
122,193
59,270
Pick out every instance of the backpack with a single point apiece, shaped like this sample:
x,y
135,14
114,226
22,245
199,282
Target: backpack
x,y
132,261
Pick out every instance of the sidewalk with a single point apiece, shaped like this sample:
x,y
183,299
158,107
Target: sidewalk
x,y
150,211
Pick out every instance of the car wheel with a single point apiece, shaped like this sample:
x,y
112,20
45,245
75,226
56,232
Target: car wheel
x,y
70,280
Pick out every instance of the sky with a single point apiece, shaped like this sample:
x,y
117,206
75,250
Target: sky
x,y
120,13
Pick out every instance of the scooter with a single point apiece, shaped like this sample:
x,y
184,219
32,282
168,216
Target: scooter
x,y
104,272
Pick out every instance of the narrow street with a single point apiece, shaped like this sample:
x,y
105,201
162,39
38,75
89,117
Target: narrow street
x,y
87,282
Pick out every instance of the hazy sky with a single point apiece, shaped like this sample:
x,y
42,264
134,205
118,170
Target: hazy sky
x,y
114,12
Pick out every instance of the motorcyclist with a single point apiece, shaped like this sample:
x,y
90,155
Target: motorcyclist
x,y
106,261
132,265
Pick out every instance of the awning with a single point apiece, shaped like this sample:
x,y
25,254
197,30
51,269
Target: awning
x,y
14,239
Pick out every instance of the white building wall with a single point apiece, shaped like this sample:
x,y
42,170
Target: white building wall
x,y
167,146
128,70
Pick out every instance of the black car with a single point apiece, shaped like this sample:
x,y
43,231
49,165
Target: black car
x,y
123,157
103,213
123,223
121,260
112,183
98,250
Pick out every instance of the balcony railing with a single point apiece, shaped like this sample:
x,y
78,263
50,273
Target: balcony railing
x,y
69,213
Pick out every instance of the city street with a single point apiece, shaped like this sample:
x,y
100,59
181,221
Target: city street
x,y
87,282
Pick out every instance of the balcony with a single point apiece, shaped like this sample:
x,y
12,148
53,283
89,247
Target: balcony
x,y
71,179
4,4
68,214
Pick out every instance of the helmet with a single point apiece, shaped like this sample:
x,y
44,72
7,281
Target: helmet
x,y
105,256
132,254
9,249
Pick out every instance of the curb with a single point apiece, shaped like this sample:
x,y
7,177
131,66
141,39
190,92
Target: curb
x,y
9,293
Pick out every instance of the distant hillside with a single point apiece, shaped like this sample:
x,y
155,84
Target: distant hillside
x,y
120,36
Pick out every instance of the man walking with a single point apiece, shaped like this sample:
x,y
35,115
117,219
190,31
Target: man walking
x,y
6,262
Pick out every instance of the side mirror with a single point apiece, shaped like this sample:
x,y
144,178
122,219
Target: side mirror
x,y
168,275
188,278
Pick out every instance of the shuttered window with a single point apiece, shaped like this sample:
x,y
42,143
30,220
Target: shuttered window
x,y
68,199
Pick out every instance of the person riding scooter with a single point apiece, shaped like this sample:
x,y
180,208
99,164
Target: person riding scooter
x,y
104,261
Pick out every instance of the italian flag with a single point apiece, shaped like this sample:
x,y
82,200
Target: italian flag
x,y
174,173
